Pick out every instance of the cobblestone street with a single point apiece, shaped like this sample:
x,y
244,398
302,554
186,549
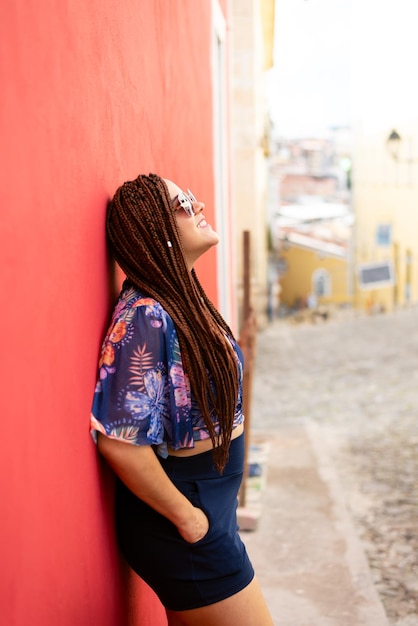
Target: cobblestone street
x,y
356,376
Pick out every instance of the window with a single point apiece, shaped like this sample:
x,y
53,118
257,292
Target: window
x,y
321,283
384,235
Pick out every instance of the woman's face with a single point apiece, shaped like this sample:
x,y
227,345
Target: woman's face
x,y
196,234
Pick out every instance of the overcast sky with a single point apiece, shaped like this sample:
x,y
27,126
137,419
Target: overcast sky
x,y
319,43
309,85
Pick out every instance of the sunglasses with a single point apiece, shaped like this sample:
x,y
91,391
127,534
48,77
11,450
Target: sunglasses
x,y
186,201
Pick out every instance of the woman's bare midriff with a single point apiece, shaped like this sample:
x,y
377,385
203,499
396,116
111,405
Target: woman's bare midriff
x,y
203,445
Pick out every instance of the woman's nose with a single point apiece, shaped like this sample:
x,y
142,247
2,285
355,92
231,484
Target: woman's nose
x,y
198,207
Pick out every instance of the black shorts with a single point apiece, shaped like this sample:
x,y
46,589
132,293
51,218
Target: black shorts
x,y
184,575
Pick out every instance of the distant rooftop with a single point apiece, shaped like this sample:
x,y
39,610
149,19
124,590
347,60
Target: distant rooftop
x,y
294,213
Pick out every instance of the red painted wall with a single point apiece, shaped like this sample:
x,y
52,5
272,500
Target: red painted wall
x,y
93,93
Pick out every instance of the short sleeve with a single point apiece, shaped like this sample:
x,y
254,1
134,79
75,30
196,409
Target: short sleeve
x,y
142,394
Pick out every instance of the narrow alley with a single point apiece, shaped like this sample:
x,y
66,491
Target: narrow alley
x,y
341,394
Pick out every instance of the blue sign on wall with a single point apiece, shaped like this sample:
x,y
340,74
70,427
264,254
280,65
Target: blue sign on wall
x,y
384,235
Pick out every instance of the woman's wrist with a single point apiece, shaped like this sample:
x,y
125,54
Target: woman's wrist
x,y
194,526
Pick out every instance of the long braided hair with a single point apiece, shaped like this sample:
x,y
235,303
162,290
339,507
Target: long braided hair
x,y
144,240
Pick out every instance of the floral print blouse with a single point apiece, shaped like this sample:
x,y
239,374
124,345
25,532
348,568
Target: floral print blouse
x,y
143,395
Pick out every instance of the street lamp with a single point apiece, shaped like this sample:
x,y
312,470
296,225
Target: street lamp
x,y
393,144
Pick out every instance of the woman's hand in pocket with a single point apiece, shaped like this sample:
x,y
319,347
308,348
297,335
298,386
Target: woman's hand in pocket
x,y
196,527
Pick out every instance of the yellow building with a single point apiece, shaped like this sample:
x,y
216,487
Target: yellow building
x,y
313,273
313,226
385,200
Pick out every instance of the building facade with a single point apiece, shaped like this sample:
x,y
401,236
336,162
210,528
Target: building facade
x,y
312,228
385,201
94,93
252,44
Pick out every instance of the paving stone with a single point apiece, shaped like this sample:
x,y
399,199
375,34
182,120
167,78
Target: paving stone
x,y
356,377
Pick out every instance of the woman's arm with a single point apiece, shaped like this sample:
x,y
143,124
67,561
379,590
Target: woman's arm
x,y
140,470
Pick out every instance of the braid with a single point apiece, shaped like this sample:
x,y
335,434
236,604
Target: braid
x,y
140,223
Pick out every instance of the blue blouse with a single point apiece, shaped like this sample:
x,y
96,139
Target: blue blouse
x,y
143,395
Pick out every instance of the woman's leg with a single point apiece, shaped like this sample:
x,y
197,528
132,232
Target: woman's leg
x,y
246,608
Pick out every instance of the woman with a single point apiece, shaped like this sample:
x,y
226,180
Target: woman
x,y
170,386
